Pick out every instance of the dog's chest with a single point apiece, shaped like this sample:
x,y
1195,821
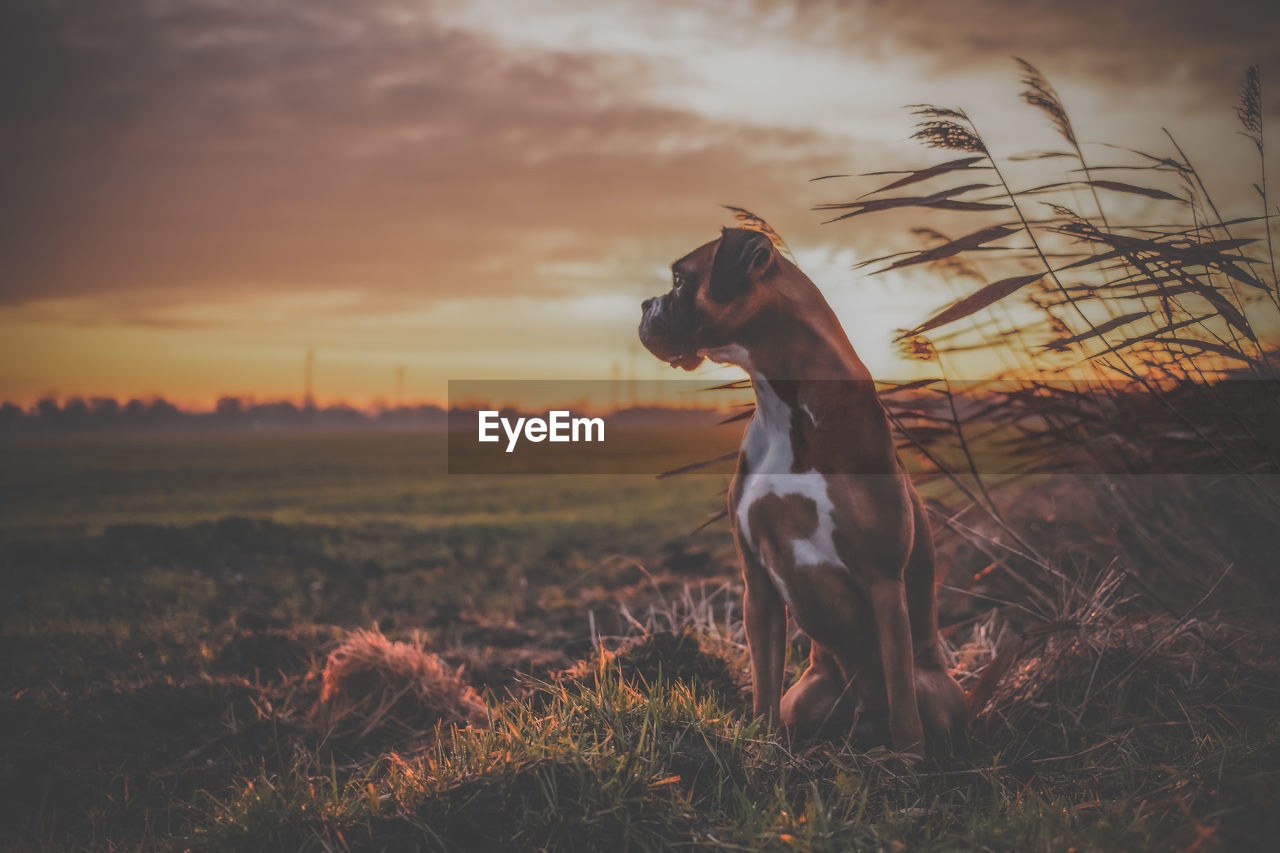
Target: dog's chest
x,y
768,470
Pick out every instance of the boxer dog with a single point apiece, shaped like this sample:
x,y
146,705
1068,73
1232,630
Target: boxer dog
x,y
827,523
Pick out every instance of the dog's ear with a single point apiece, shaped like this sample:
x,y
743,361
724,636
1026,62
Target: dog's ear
x,y
742,253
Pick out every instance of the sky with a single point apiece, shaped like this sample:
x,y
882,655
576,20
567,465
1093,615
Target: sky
x,y
194,194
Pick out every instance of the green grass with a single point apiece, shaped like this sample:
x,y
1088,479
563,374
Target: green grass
x,y
59,486
165,603
671,764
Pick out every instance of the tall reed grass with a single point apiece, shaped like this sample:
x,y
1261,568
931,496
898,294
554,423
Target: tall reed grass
x,y
1119,467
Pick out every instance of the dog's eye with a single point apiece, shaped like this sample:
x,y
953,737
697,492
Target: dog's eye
x,y
677,282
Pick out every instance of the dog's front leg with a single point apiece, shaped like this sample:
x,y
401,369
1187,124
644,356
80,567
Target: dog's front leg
x,y
765,618
893,630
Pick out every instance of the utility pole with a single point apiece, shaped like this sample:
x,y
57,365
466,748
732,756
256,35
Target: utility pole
x,y
308,380
633,352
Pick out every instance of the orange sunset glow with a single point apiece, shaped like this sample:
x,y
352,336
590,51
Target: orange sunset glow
x,y
195,195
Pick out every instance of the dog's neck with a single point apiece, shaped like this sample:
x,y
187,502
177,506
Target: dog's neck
x,y
796,341
810,385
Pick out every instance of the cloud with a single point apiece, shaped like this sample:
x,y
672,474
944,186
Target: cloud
x,y
1122,44
188,149
395,152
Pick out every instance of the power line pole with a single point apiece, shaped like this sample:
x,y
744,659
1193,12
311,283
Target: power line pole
x,y
308,379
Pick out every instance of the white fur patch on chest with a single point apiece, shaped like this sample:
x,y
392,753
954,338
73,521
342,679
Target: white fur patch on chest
x,y
769,459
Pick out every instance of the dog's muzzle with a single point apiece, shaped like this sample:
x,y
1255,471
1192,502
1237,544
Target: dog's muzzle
x,y
667,333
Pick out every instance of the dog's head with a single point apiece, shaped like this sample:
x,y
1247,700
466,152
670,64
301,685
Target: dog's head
x,y
716,290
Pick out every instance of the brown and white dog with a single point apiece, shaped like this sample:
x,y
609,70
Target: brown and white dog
x,y
826,520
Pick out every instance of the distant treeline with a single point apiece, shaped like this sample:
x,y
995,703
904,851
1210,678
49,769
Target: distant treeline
x,y
233,414
230,414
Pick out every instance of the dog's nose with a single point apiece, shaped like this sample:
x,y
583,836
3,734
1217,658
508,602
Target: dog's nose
x,y
644,306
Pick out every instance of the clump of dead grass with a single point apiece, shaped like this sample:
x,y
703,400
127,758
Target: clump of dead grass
x,y
373,686
687,655
1110,677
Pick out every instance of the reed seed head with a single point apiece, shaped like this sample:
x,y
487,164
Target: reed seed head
x,y
1250,109
1039,94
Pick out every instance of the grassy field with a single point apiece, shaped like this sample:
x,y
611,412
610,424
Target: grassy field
x,y
167,604
327,642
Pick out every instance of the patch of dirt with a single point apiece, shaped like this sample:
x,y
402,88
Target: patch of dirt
x,y
272,653
111,756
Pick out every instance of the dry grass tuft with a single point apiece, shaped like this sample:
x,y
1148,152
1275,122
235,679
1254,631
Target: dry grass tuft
x,y
687,655
371,684
1076,685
